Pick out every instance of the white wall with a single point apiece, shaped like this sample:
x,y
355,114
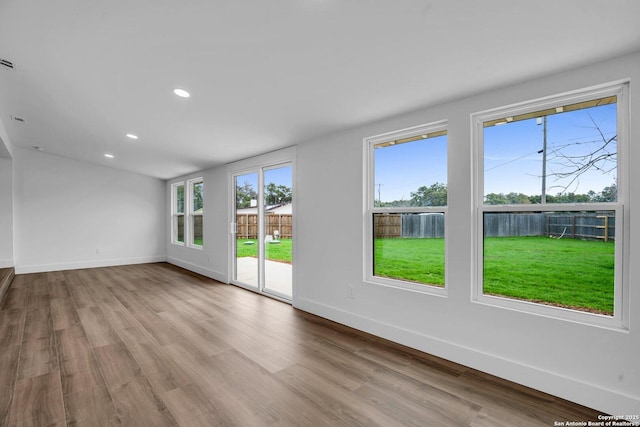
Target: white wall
x,y
65,210
213,259
6,200
6,213
593,366
590,365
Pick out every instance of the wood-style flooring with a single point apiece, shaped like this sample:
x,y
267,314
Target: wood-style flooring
x,y
154,345
6,276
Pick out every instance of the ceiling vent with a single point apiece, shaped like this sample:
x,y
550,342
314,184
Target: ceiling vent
x,y
7,65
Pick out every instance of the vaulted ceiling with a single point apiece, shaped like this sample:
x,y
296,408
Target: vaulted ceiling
x,y
268,74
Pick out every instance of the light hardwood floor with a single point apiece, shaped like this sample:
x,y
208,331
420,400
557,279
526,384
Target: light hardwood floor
x,y
156,345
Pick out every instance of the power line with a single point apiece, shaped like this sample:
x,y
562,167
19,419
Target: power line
x,y
511,161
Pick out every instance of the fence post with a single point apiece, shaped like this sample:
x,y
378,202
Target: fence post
x,y
605,227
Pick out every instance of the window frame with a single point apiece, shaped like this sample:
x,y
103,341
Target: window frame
x,y
191,214
175,214
369,210
619,320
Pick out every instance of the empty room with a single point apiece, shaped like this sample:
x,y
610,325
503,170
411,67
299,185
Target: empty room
x,y
319,213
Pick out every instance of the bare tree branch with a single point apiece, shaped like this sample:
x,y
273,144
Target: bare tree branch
x,y
571,165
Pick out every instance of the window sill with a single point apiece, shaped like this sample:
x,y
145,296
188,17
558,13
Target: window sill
x,y
407,286
614,323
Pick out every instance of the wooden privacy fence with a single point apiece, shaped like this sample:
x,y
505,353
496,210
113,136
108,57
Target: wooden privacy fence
x,y
386,226
576,225
582,226
197,227
512,225
248,225
408,225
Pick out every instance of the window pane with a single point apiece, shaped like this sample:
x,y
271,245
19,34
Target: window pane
x,y
566,154
179,199
411,172
563,259
197,197
180,228
197,230
409,247
197,207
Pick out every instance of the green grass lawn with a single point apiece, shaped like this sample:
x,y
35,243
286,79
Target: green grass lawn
x,y
413,260
567,272
570,273
274,251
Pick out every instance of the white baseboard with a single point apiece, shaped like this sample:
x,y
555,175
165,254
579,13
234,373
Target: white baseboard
x,y
212,274
41,268
6,263
590,395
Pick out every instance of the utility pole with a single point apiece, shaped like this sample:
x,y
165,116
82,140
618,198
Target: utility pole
x,y
543,197
379,196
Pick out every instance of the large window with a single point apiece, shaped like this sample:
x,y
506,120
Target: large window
x,y
196,207
177,213
406,208
550,195
186,213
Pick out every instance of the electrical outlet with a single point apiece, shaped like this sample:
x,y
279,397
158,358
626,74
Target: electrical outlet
x,y
350,292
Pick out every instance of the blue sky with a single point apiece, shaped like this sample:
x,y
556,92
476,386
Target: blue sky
x,y
513,161
401,169
511,155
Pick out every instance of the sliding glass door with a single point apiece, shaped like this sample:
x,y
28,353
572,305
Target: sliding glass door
x,y
263,230
246,228
277,214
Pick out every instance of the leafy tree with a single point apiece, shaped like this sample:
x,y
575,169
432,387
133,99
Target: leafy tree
x,y
402,203
180,199
244,194
608,194
569,198
197,196
273,195
276,194
435,195
507,199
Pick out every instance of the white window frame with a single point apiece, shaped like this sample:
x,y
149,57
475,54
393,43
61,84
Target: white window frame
x,y
190,222
175,214
370,209
619,321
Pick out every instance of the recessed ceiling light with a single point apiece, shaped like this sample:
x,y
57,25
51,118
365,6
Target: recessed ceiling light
x,y
109,156
132,136
181,93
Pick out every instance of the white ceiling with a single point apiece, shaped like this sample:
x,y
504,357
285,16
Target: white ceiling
x,y
269,74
